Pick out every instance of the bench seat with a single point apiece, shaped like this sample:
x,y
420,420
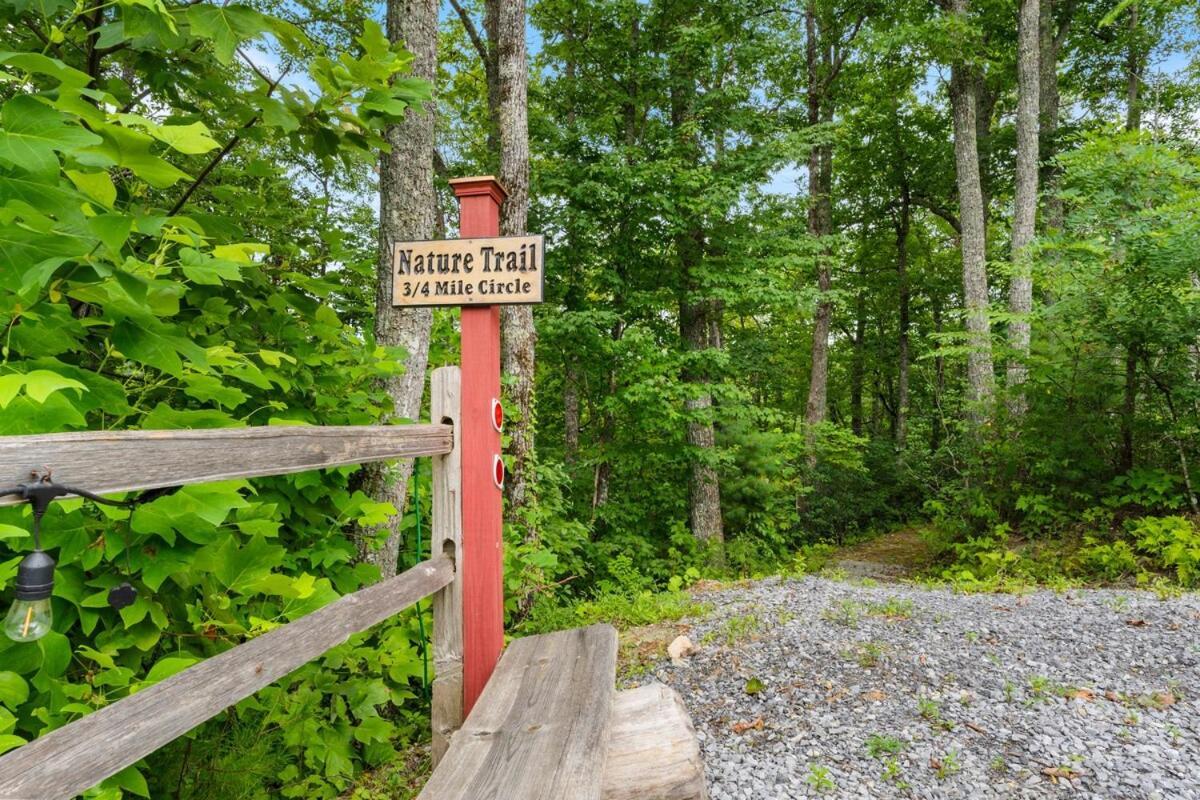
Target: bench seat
x,y
549,725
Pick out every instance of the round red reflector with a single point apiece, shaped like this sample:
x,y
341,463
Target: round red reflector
x,y
498,471
497,414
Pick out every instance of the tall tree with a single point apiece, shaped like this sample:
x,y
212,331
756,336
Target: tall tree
x,y
964,84
502,52
1054,21
518,347
825,52
407,210
1025,203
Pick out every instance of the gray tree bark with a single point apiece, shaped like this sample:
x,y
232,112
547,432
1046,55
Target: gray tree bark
x,y
407,210
519,337
1053,34
980,377
1025,202
820,223
903,222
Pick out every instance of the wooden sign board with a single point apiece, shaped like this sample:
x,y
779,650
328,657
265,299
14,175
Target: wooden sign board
x,y
502,270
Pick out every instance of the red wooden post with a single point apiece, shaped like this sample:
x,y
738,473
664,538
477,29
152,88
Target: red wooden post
x,y
479,202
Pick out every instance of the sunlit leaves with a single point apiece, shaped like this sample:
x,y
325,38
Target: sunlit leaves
x,y
31,133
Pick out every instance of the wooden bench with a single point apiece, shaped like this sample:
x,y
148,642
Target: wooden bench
x,y
551,726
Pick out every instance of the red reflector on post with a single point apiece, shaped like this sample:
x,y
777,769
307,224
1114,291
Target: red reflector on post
x,y
498,471
497,414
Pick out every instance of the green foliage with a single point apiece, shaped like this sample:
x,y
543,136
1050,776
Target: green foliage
x,y
1172,543
168,266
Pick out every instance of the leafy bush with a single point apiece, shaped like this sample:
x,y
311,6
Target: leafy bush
x,y
1108,561
1172,543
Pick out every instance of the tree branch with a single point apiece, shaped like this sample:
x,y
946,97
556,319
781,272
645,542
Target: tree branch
x,y
939,210
219,157
472,32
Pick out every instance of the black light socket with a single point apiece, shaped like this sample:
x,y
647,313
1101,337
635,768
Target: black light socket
x,y
35,576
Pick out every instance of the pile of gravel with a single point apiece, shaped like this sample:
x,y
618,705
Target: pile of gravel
x,y
898,691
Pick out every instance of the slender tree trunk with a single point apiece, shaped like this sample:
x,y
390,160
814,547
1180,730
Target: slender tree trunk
x,y
980,377
1128,409
1053,34
407,210
820,224
1025,201
1133,122
902,226
571,380
858,364
519,340
1133,75
939,382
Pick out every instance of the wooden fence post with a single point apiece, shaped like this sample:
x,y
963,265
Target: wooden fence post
x,y
447,711
482,571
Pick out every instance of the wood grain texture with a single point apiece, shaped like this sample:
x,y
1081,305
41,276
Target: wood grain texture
x,y
120,461
447,707
540,730
653,753
73,758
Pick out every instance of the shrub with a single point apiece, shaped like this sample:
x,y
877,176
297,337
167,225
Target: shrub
x,y
1172,542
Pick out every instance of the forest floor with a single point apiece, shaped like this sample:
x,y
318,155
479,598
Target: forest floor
x,y
857,689
900,554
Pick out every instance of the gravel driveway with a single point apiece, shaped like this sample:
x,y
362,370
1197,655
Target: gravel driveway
x,y
818,688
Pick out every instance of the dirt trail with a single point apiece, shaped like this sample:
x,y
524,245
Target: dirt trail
x,y
892,556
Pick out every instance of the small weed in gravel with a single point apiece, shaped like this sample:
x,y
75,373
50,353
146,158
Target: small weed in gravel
x,y
819,779
844,612
878,744
945,766
892,608
893,774
737,629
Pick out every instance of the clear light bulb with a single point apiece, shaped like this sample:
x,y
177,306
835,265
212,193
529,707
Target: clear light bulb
x,y
30,616
28,620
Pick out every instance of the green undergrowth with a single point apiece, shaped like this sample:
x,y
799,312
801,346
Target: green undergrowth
x,y
1159,553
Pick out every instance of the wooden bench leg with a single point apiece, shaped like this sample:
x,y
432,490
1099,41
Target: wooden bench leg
x,y
653,753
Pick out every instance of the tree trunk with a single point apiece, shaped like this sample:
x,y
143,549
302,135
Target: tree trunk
x,y
820,223
1025,201
1128,409
939,381
571,381
704,490
519,337
1052,34
407,210
902,226
858,365
1133,75
980,378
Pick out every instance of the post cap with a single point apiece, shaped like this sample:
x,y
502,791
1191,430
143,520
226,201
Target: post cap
x,y
477,185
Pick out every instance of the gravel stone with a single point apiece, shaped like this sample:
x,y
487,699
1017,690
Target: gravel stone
x,y
1087,694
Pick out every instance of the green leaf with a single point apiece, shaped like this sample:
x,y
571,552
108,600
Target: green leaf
x,y
11,532
96,185
13,689
9,741
123,147
154,344
41,383
10,385
33,132
225,26
166,667
754,686
112,229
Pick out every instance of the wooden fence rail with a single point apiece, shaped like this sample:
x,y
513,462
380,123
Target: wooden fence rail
x,y
72,759
119,461
77,756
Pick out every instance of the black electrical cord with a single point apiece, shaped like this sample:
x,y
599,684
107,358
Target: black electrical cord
x,y
42,491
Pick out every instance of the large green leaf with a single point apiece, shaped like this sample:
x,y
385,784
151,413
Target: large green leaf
x,y
226,26
33,132
156,345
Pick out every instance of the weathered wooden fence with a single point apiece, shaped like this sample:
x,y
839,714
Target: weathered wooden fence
x,y
77,756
